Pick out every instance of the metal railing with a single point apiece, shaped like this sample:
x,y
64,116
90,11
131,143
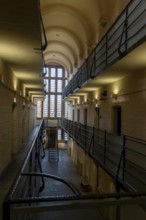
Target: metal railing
x,y
23,200
117,206
30,186
126,33
123,157
30,180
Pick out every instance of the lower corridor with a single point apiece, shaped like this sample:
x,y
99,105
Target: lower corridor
x,y
56,201
64,168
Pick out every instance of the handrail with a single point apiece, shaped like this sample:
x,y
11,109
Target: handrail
x,y
135,139
74,202
18,177
141,194
32,146
73,189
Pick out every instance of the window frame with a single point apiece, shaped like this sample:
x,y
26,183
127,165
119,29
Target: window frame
x,y
56,91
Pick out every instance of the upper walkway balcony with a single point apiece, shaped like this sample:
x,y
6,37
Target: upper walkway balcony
x,y
127,33
123,157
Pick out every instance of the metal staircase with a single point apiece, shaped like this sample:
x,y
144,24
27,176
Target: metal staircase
x,y
53,153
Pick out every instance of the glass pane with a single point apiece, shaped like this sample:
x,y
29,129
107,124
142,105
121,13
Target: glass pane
x,y
66,82
66,75
39,108
52,85
59,85
53,72
52,106
59,105
60,72
45,107
46,71
59,134
65,136
47,85
65,109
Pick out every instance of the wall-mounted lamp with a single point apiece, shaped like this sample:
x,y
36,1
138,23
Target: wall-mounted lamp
x,y
2,78
86,102
96,103
14,104
114,96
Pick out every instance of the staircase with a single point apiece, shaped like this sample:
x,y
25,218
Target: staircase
x,y
53,154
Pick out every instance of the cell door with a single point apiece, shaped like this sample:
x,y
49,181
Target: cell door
x,y
78,115
96,118
73,115
117,119
85,116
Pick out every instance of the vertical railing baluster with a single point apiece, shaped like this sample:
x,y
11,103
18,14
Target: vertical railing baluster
x,y
124,155
105,146
106,59
30,178
93,139
6,210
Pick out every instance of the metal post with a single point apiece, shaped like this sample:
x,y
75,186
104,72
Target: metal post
x,y
93,139
124,154
104,146
6,210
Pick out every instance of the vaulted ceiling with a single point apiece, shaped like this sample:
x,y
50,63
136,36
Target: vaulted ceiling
x,y
73,28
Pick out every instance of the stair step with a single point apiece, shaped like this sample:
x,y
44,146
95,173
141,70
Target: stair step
x,y
52,145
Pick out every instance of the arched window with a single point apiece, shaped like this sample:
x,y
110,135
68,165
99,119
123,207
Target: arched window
x,y
56,80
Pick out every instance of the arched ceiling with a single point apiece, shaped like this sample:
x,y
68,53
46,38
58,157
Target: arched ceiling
x,y
74,27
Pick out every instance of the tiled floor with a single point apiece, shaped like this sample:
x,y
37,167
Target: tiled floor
x,y
65,169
